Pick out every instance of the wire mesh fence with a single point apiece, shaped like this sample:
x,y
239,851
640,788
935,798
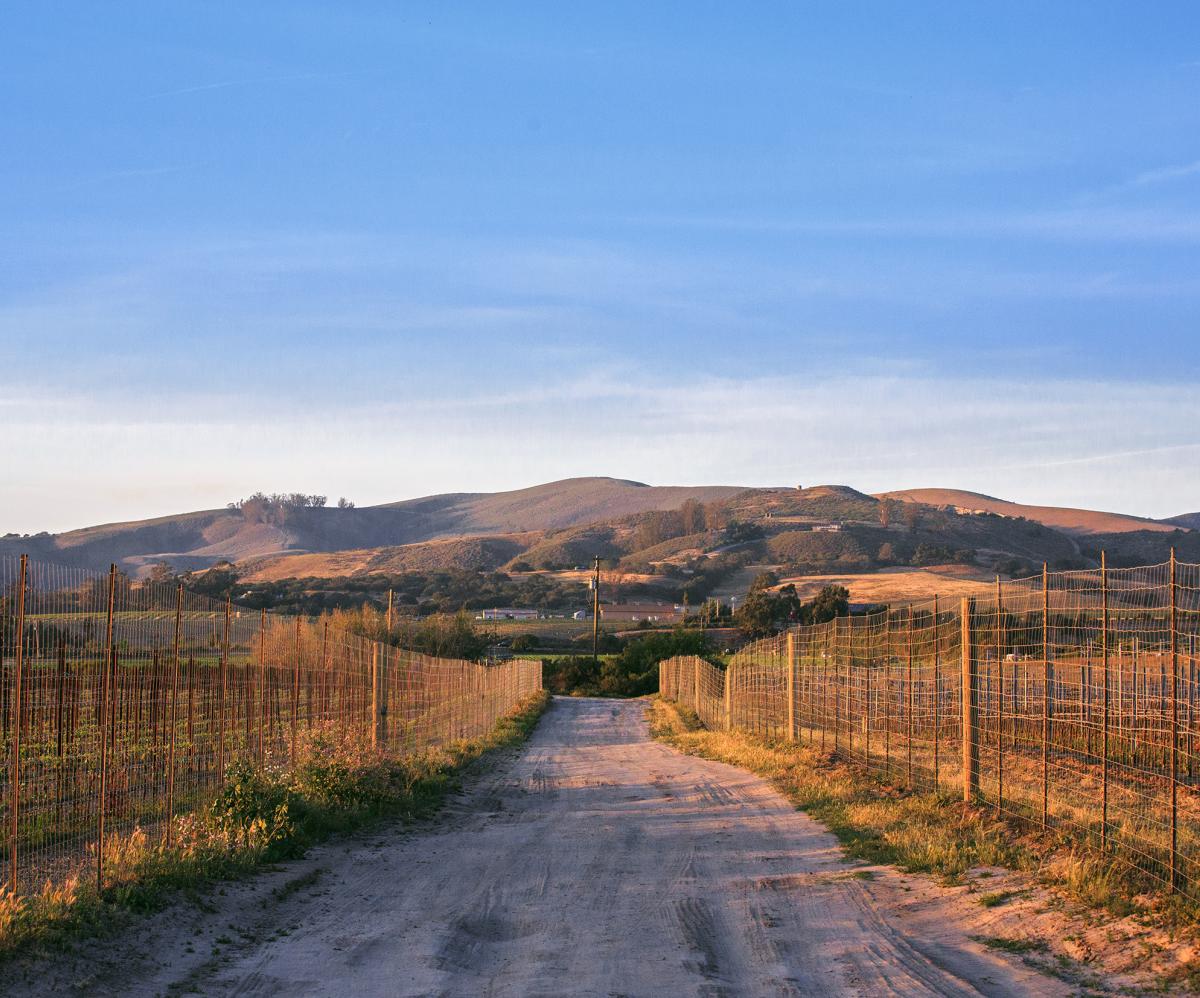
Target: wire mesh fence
x,y
123,703
1067,700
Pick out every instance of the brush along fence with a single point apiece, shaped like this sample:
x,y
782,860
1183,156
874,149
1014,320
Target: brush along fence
x,y
122,703
1067,700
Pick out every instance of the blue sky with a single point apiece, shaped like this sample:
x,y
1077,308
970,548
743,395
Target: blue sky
x,y
382,250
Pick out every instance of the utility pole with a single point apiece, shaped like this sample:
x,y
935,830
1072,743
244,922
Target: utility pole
x,y
596,612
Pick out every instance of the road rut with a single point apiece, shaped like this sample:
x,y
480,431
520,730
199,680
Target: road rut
x,y
599,862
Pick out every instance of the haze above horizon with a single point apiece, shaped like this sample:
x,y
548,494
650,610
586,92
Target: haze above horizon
x,y
382,251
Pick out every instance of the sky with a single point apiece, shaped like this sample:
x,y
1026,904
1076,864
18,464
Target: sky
x,y
383,250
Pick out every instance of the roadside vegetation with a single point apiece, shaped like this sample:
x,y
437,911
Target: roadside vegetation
x,y
259,816
921,832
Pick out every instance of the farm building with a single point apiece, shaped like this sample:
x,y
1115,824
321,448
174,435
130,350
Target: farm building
x,y
508,613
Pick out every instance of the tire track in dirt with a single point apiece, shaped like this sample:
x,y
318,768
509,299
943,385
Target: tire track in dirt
x,y
594,862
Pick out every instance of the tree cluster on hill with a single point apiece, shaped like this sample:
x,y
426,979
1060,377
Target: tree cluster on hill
x,y
767,611
276,507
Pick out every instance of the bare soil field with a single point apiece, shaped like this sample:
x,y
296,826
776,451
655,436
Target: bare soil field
x,y
593,862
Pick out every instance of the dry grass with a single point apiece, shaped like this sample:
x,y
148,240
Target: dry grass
x,y
902,585
258,817
920,832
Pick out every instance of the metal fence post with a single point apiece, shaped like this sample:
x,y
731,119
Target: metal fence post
x,y
791,686
728,674
262,680
224,679
998,642
378,707
296,692
908,684
18,707
937,691
171,716
105,684
1104,734
970,705
1047,680
1174,625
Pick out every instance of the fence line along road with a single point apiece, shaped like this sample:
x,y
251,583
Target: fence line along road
x,y
122,703
1067,700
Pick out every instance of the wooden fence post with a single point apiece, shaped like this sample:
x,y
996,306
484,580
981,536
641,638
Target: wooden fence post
x,y
696,683
970,705
791,686
18,710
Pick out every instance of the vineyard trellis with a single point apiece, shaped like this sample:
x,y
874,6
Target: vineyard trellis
x,y
123,703
1067,700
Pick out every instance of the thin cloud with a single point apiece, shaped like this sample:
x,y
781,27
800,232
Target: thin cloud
x,y
1165,174
226,84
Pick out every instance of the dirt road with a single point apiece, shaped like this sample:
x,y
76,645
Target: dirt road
x,y
596,862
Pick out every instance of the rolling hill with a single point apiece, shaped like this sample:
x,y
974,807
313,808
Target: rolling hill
x,y
563,524
199,539
1078,522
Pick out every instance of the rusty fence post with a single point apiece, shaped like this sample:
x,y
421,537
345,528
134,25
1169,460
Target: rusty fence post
x,y
18,707
1105,720
908,694
791,686
224,680
1047,680
378,702
998,644
937,691
171,711
1174,625
296,692
262,681
105,710
728,674
970,704
886,712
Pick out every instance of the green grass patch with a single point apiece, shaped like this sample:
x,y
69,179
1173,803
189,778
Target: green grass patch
x,y
997,898
1008,945
259,816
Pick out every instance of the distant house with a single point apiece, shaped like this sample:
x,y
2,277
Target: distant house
x,y
633,612
508,613
827,528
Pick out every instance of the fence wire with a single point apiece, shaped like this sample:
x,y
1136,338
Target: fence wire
x,y
123,703
1067,700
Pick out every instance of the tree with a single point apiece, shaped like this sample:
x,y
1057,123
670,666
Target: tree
x,y
691,515
161,573
886,555
830,602
912,515
885,513
344,503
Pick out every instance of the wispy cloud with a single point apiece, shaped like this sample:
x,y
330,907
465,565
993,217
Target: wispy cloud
x,y
1062,442
1165,174
250,82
